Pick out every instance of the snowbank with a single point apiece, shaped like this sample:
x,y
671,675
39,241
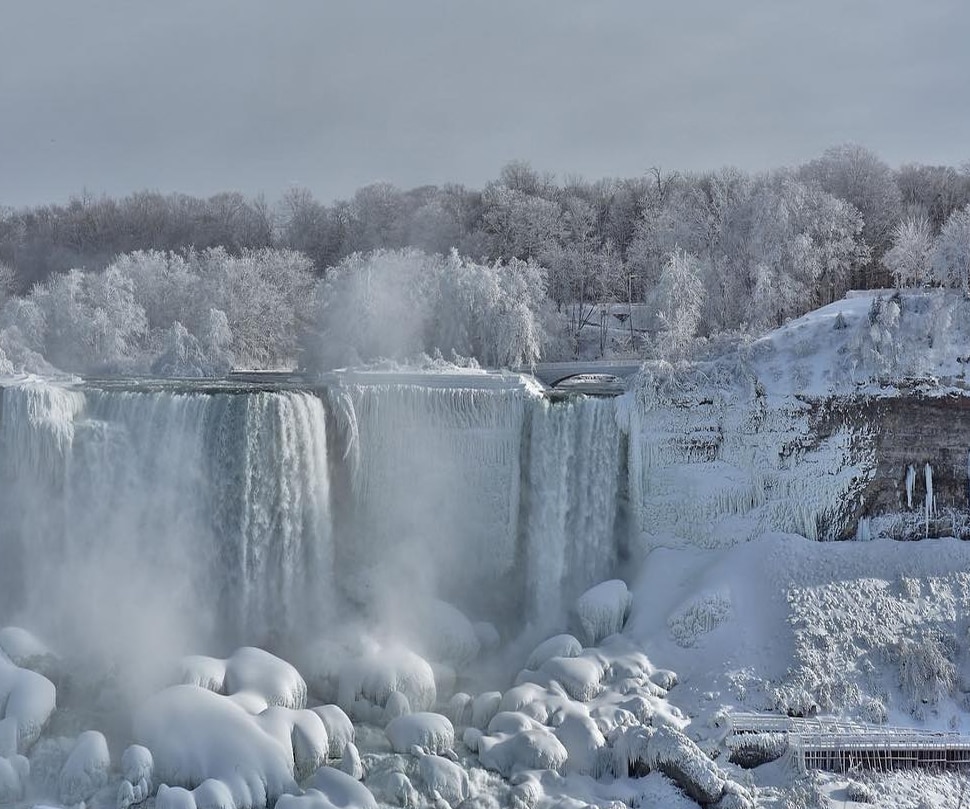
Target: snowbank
x,y
429,731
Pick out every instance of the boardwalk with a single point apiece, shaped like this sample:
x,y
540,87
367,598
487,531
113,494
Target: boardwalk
x,y
830,744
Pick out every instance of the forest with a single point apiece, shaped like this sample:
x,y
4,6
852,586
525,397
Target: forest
x,y
519,270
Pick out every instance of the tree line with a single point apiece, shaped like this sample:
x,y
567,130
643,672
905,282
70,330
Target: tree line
x,y
709,253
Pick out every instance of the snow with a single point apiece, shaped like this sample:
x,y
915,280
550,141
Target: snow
x,y
556,646
340,730
366,683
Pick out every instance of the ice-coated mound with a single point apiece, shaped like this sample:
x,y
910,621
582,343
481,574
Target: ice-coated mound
x,y
195,735
445,777
579,676
533,749
300,731
484,707
252,669
205,672
366,683
330,789
556,646
585,745
340,730
429,731
137,763
27,700
247,670
602,610
14,772
86,769
677,757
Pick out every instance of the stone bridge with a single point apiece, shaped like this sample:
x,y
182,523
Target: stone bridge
x,y
551,374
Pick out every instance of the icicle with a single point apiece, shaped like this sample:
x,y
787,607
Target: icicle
x,y
911,482
930,504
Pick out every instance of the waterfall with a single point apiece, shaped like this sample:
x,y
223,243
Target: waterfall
x,y
199,511
574,477
218,513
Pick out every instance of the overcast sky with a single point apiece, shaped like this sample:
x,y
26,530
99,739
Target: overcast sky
x,y
202,96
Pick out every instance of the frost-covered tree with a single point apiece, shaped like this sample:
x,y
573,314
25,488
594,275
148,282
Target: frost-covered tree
x,y
397,304
909,258
951,252
678,299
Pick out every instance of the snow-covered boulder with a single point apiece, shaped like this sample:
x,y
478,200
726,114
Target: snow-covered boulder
x,y
484,707
429,731
535,749
14,772
460,709
137,763
445,777
579,676
340,730
350,762
397,705
340,789
556,646
195,734
253,669
203,671
602,610
27,700
374,677
585,745
677,757
248,670
301,732
488,636
86,769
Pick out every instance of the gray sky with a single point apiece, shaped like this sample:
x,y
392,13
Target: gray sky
x,y
202,96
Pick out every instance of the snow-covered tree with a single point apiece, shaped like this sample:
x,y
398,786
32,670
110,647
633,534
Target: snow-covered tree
x,y
951,252
909,258
401,303
678,299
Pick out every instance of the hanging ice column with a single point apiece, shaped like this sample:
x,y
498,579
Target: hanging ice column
x,y
910,484
194,510
930,504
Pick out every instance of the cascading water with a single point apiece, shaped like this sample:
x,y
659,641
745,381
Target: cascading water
x,y
209,513
575,467
195,513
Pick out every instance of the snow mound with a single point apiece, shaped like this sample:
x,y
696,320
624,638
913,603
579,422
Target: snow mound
x,y
445,777
585,745
484,707
335,787
556,646
579,676
340,730
300,731
248,669
677,757
86,769
533,749
195,735
27,700
367,683
602,610
429,731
